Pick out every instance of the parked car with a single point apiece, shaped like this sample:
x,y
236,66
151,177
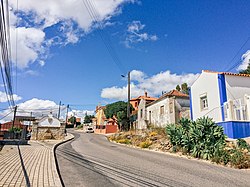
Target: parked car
x,y
89,130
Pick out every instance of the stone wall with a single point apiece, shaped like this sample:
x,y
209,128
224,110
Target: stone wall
x,y
43,133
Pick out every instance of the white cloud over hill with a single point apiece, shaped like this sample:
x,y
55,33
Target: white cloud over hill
x,y
154,85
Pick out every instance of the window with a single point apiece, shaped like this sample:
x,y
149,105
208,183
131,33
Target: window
x,y
150,116
203,101
141,113
162,109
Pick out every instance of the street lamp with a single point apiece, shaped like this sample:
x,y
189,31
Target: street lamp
x,y
128,104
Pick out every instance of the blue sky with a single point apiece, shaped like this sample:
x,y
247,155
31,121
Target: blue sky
x,y
61,56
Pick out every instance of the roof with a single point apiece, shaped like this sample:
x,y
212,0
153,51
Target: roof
x,y
100,108
175,93
227,73
172,93
144,97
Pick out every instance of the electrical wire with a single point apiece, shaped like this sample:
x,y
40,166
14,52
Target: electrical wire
x,y
93,13
17,10
237,53
5,64
6,115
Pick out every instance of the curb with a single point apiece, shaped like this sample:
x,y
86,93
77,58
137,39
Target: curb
x,y
55,159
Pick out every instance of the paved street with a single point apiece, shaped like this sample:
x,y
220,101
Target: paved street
x,y
90,160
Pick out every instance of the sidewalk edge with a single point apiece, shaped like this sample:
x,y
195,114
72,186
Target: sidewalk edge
x,y
55,159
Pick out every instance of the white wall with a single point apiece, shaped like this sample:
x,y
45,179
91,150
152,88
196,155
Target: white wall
x,y
207,83
141,123
237,86
49,122
157,119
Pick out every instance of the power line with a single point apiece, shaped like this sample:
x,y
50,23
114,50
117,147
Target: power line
x,y
237,53
236,64
6,67
6,115
16,40
93,13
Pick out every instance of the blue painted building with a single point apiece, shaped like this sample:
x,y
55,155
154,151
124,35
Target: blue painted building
x,y
225,97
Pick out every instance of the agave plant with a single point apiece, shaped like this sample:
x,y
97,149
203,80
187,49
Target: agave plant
x,y
242,144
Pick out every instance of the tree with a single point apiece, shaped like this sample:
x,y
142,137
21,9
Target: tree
x,y
246,71
178,87
119,110
88,118
72,120
184,88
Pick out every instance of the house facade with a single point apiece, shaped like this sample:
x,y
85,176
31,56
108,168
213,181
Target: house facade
x,y
169,108
224,97
102,125
48,127
136,101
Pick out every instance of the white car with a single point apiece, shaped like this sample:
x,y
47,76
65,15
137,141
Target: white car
x,y
89,130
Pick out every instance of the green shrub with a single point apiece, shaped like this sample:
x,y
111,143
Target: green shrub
x,y
242,144
200,138
145,144
221,156
124,141
80,126
15,129
238,159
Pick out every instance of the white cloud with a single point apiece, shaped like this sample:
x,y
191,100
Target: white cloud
x,y
245,61
135,34
69,19
154,85
29,45
38,107
31,72
137,75
3,97
37,104
80,113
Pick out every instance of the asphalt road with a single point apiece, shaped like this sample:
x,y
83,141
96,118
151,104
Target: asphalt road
x,y
92,161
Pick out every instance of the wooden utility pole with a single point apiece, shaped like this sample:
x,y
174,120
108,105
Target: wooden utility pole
x,y
14,117
128,104
59,110
67,114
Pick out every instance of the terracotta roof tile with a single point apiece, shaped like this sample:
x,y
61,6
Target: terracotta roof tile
x,y
143,97
175,93
172,93
227,73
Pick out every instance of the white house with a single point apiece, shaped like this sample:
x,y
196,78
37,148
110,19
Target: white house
x,y
224,97
169,108
48,127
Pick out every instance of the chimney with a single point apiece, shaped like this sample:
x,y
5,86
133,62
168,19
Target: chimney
x,y
146,94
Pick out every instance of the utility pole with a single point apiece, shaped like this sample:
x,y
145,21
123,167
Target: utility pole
x,y
14,118
128,104
67,114
30,120
59,110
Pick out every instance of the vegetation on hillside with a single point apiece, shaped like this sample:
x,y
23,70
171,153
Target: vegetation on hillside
x,y
201,139
88,118
119,110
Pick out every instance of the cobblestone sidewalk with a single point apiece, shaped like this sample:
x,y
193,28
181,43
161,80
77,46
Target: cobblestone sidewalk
x,y
29,165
